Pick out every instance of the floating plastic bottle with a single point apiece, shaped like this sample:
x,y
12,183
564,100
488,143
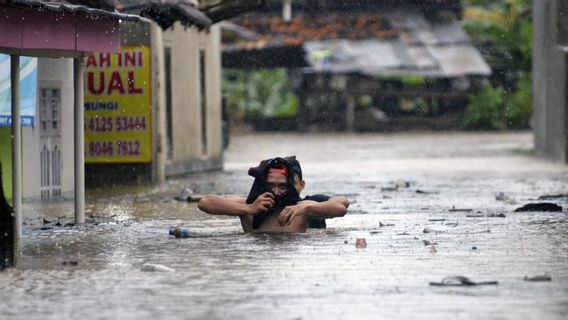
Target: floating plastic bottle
x,y
179,232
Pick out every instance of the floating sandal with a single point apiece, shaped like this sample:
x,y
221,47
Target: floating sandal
x,y
459,281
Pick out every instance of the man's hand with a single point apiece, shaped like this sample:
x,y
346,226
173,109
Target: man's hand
x,y
289,213
310,210
262,204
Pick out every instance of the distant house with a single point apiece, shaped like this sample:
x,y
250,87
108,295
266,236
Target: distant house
x,y
395,53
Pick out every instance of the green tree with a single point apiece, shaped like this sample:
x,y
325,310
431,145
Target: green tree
x,y
264,93
502,30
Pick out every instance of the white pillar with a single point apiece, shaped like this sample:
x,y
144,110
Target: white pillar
x,y
16,151
158,80
79,133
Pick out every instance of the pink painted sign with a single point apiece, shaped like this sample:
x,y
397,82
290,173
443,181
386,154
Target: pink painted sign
x,y
25,28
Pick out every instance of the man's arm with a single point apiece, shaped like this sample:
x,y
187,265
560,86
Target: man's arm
x,y
235,205
310,210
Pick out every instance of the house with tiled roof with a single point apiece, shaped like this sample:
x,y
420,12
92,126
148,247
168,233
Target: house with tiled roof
x,y
343,47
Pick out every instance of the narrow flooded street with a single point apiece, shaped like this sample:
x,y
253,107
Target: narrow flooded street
x,y
406,190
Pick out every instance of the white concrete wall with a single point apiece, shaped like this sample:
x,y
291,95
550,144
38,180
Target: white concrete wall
x,y
213,91
549,82
52,73
185,44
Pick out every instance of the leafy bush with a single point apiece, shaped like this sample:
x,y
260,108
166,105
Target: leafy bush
x,y
493,109
264,93
485,110
518,107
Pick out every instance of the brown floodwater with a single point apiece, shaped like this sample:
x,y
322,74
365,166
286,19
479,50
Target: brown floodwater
x,y
404,189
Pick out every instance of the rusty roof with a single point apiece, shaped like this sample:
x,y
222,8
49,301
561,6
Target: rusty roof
x,y
382,42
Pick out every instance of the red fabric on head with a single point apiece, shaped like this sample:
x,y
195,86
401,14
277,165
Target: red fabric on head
x,y
283,170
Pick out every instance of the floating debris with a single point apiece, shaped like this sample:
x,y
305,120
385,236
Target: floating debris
x,y
361,243
426,192
553,196
184,195
437,219
460,281
454,209
474,248
541,207
150,267
428,243
429,230
402,183
70,263
501,196
539,278
477,215
375,232
385,224
179,232
496,215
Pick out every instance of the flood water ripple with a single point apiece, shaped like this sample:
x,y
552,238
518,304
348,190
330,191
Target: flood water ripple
x,y
94,271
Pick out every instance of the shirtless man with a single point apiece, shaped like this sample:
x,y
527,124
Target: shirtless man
x,y
291,218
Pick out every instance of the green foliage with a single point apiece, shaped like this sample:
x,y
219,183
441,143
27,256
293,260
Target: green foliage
x,y
264,93
414,80
6,160
485,110
502,30
518,107
493,109
399,82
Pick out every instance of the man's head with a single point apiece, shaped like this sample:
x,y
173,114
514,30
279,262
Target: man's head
x,y
278,174
277,179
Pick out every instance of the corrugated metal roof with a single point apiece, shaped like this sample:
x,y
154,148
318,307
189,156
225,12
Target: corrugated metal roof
x,y
415,28
458,60
74,9
437,48
374,57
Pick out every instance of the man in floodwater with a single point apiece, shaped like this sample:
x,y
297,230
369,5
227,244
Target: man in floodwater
x,y
274,203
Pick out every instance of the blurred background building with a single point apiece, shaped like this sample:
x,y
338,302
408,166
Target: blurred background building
x,y
363,65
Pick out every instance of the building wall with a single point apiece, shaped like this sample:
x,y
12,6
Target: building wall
x,y
52,73
549,79
213,91
186,46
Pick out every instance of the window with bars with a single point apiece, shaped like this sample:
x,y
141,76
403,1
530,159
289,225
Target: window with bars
x,y
50,104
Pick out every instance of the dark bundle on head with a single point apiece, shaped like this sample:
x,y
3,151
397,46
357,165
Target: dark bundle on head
x,y
286,166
